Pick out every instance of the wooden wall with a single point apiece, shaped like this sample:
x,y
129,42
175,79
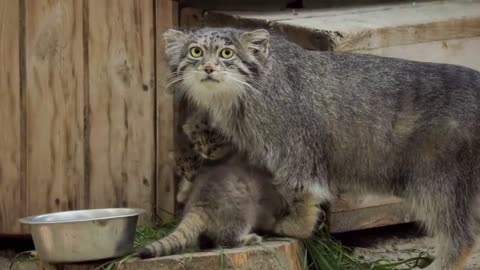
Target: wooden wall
x,y
85,121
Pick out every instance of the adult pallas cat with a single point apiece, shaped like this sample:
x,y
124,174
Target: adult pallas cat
x,y
323,121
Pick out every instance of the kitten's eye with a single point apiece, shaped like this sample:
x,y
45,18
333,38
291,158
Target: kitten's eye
x,y
196,52
226,53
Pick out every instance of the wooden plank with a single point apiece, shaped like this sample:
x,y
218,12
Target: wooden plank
x,y
349,201
11,204
303,13
356,28
335,3
54,89
350,212
280,254
236,4
121,103
463,52
369,217
166,15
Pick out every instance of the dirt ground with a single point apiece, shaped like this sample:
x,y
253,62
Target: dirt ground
x,y
402,248
5,258
393,243
9,247
397,243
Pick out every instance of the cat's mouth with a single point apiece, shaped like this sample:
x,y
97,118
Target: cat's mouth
x,y
209,79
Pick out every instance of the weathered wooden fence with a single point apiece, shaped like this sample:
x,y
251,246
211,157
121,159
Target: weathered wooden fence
x,y
85,121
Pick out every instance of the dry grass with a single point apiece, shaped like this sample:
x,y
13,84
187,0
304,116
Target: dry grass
x,y
325,253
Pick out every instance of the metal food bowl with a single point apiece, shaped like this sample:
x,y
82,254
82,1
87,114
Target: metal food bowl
x,y
84,235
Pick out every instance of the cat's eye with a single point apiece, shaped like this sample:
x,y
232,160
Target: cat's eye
x,y
226,53
196,52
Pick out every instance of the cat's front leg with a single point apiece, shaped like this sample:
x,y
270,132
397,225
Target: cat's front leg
x,y
304,214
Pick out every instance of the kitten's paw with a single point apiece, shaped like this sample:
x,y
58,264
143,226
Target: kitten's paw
x,y
251,239
184,189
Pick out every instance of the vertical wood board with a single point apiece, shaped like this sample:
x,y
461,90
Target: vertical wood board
x,y
166,17
11,204
54,92
121,103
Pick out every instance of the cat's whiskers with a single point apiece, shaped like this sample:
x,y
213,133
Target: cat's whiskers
x,y
239,82
178,79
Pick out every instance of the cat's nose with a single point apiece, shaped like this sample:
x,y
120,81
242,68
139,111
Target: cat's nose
x,y
209,69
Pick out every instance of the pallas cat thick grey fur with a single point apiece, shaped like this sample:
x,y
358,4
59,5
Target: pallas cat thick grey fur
x,y
328,121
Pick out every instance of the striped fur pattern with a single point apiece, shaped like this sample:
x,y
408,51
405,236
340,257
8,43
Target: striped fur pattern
x,y
328,121
228,203
205,146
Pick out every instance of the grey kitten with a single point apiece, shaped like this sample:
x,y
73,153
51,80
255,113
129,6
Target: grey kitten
x,y
324,121
228,203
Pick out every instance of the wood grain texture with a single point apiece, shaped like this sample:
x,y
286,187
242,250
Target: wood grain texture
x,y
166,18
357,28
121,103
11,204
279,254
350,212
54,91
349,201
369,217
463,52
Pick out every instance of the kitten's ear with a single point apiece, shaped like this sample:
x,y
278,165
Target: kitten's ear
x,y
256,40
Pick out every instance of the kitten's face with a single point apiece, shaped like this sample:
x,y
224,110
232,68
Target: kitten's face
x,y
215,66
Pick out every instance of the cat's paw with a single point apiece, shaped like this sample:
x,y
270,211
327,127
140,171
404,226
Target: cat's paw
x,y
303,217
293,227
309,218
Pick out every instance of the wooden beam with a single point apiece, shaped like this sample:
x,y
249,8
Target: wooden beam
x,y
462,52
355,28
357,212
11,204
273,254
166,17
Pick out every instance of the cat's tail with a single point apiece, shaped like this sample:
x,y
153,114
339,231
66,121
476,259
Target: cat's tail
x,y
184,236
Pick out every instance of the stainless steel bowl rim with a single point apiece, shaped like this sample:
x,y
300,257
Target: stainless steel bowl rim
x,y
129,212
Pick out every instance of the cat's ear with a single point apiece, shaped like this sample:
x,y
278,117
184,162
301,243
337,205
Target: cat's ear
x,y
257,40
174,44
173,36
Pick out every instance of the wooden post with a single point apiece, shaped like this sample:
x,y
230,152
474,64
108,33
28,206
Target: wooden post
x,y
280,254
11,186
166,17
